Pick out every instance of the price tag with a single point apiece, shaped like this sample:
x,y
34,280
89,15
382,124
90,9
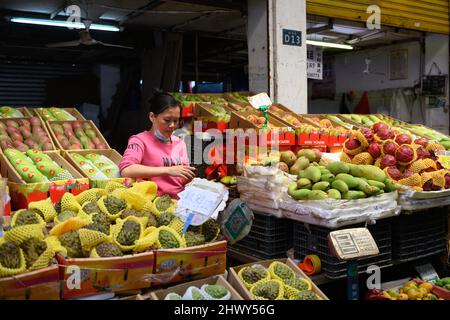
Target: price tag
x,y
349,244
260,100
427,272
200,201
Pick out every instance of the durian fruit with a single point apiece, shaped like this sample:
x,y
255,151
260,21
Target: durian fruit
x,y
197,295
268,290
298,283
164,203
194,239
253,274
169,238
25,217
90,207
44,208
173,296
130,212
101,218
108,249
129,233
280,271
33,248
152,220
165,218
58,207
210,229
91,195
10,255
305,295
71,241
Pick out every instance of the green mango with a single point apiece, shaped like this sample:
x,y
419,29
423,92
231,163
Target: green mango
x,y
313,174
304,183
307,153
302,175
323,185
391,186
353,195
372,173
350,181
38,156
339,185
328,177
338,167
334,194
49,169
378,184
298,194
324,171
299,165
317,195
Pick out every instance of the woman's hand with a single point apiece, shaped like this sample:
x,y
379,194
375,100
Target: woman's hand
x,y
185,172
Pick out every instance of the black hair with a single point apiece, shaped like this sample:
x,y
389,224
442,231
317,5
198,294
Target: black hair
x,y
161,101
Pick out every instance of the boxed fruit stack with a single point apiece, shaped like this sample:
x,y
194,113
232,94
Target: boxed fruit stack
x,y
415,289
58,114
115,235
330,193
273,280
24,134
412,162
100,166
35,175
213,116
77,135
10,112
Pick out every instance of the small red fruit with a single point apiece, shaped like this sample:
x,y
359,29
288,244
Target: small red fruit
x,y
374,150
379,126
422,141
390,147
388,161
352,144
403,139
394,173
404,153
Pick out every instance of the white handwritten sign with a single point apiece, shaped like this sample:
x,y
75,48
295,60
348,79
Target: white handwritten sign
x,y
200,200
314,62
259,100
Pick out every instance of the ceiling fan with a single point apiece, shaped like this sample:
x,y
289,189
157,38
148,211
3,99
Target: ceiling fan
x,y
85,39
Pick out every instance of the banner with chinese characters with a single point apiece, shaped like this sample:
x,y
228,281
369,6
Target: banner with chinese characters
x,y
315,64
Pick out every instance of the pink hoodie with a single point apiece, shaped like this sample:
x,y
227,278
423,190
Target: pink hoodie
x,y
145,149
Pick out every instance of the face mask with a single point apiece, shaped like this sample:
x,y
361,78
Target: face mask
x,y
160,137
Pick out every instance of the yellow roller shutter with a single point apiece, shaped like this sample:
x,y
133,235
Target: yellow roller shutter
x,y
423,15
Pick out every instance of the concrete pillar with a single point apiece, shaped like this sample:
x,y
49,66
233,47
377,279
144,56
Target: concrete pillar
x,y
276,68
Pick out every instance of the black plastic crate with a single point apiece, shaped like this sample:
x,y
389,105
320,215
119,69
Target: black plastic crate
x,y
270,223
311,239
420,235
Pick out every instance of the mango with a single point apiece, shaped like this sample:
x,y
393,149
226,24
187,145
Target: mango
x,y
353,195
301,174
338,167
317,195
324,170
334,194
313,174
307,153
373,173
356,170
377,184
339,185
328,177
391,186
298,194
323,185
350,181
288,157
299,165
304,183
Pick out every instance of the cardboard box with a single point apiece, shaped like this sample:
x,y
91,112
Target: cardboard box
x,y
44,128
234,280
112,154
209,119
181,288
105,274
97,133
185,264
284,134
24,110
73,111
40,284
23,193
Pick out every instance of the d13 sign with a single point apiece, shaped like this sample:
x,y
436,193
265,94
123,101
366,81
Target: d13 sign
x,y
292,37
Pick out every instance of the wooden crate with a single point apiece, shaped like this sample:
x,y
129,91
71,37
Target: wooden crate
x,y
181,288
25,111
44,127
23,193
97,133
234,280
73,111
42,284
112,154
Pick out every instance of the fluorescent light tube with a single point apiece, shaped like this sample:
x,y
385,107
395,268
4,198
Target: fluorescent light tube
x,y
63,23
329,44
